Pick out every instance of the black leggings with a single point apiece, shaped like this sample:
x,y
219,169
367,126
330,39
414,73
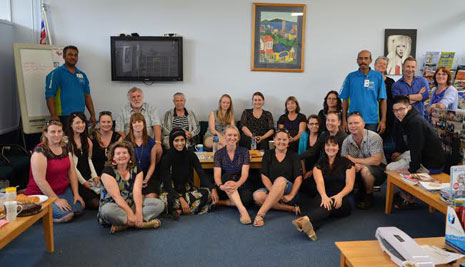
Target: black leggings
x,y
319,214
244,191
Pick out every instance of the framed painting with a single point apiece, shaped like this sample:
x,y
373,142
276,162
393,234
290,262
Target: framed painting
x,y
398,45
278,35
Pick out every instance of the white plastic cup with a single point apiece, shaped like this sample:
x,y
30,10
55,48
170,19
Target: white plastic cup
x,y
12,210
199,148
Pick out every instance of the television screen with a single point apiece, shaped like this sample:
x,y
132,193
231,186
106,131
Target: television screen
x,y
144,58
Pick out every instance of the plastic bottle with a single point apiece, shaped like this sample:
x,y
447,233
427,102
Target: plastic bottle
x,y
10,193
215,143
253,144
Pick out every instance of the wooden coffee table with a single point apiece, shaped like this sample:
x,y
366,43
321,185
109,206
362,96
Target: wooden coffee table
x,y
432,199
369,253
13,229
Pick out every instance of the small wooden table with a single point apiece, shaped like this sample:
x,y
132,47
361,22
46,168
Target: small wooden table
x,y
369,253
432,199
206,161
13,229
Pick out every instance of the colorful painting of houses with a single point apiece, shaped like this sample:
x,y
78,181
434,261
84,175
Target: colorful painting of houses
x,y
278,37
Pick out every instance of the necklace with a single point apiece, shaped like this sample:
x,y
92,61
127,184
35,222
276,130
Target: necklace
x,y
139,156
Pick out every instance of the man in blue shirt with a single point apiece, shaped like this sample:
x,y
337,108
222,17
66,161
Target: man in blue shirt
x,y
363,91
67,89
416,88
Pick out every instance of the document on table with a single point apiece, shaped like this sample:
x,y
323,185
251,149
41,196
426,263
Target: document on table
x,y
440,256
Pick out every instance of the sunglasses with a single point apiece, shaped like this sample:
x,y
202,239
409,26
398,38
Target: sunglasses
x,y
104,113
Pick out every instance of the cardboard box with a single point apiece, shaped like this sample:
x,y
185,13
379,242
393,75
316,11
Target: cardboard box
x,y
455,235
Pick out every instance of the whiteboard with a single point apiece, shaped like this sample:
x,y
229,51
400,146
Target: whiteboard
x,y
33,62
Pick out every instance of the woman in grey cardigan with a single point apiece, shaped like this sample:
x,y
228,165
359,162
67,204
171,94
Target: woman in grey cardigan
x,y
180,117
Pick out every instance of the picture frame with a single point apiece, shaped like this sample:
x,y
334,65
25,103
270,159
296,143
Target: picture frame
x,y
278,37
398,45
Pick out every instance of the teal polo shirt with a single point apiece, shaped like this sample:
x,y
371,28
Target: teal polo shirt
x,y
363,93
68,89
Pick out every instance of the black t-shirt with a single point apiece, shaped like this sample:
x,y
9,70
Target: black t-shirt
x,y
292,126
335,180
290,168
99,153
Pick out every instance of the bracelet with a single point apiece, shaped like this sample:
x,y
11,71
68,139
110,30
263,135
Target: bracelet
x,y
157,142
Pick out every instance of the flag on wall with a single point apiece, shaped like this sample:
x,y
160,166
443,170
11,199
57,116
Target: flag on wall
x,y
43,33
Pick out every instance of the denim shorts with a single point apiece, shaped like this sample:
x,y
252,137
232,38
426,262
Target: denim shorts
x,y
68,195
287,191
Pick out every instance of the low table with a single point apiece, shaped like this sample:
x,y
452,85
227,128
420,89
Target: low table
x,y
369,253
13,229
432,199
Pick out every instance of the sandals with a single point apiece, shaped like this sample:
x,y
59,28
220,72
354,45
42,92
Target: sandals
x,y
117,228
303,224
296,210
245,219
258,221
152,224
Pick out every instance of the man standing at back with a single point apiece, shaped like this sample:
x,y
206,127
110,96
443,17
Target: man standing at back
x,y
363,91
67,89
416,88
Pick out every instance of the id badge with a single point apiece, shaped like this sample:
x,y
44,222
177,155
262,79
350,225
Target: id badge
x,y
79,75
366,83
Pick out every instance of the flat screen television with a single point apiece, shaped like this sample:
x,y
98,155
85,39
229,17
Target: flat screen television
x,y
146,58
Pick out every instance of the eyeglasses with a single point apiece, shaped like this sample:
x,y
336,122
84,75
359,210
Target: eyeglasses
x,y
104,113
354,113
282,130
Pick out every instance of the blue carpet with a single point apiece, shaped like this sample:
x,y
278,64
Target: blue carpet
x,y
214,239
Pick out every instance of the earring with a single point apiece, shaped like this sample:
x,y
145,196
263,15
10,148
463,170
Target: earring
x,y
113,162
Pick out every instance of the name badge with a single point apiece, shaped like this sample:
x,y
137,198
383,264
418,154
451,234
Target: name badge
x,y
79,75
366,83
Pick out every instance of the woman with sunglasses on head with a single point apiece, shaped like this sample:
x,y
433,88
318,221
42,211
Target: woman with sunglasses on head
x,y
53,173
257,124
332,103
308,140
177,172
145,154
122,204
102,138
293,121
217,121
231,171
81,147
334,176
281,174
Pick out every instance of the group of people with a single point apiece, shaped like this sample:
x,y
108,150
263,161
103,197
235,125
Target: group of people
x,y
140,168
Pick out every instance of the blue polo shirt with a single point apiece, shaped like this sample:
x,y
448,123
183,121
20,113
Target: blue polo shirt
x,y
402,88
68,89
363,93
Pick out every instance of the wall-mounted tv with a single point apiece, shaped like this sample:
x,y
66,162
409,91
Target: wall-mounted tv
x,y
146,58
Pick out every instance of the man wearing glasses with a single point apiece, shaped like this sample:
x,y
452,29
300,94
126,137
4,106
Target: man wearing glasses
x,y
362,91
137,104
365,149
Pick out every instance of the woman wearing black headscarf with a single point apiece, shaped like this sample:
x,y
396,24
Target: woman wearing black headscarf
x,y
177,172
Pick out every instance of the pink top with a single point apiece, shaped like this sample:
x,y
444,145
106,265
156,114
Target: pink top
x,y
57,171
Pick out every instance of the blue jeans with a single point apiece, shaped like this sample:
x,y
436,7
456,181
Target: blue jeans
x,y
287,191
68,195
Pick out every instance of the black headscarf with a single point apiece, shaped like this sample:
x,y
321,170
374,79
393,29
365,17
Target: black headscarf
x,y
179,162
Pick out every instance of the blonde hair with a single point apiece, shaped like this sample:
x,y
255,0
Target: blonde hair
x,y
234,128
229,116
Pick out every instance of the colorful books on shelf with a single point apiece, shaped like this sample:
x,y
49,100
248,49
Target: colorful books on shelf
x,y
415,178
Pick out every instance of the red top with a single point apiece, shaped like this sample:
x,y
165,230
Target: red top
x,y
57,172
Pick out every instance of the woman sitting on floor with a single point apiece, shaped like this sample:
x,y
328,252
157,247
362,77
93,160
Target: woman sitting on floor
x,y
334,176
231,170
177,172
121,201
102,138
307,141
145,153
217,121
52,173
282,176
81,148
